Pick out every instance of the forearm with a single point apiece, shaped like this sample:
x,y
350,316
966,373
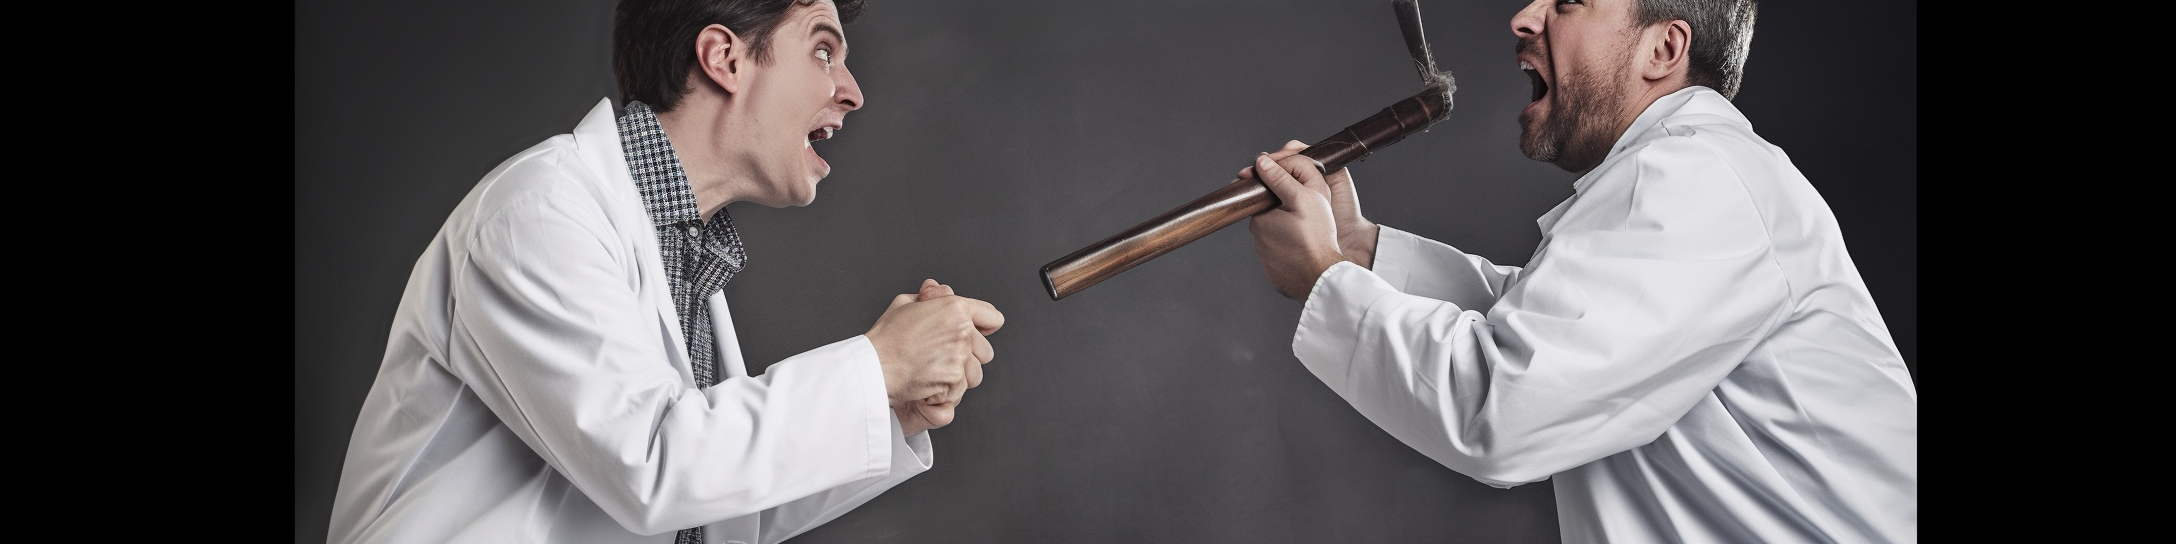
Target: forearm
x,y
1424,267
668,456
1507,401
1422,370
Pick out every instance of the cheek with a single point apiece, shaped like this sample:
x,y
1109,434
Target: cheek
x,y
1582,48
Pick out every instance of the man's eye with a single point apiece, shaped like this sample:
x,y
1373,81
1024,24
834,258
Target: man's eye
x,y
824,55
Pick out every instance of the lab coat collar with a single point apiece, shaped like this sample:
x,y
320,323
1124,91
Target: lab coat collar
x,y
597,142
597,139
1687,106
1670,110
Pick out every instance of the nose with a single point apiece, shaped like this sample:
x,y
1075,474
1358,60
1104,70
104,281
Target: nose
x,y
1529,21
844,90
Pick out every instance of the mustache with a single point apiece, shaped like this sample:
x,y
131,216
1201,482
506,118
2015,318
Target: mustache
x,y
1527,45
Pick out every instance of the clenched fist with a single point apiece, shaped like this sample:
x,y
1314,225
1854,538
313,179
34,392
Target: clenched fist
x,y
1355,233
932,347
1297,240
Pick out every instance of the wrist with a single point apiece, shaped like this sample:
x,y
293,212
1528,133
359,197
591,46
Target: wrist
x,y
908,421
1360,247
1322,266
895,377
1301,286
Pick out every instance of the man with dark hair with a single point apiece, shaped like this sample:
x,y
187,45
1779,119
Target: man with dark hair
x,y
1690,354
563,367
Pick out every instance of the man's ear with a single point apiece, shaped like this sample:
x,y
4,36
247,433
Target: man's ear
x,y
721,57
1668,50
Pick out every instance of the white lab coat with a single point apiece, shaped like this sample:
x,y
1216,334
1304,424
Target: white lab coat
x,y
1690,352
536,389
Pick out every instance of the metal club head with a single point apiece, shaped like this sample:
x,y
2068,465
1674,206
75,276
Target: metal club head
x,y
1416,44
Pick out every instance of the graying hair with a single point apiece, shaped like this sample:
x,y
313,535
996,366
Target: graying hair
x,y
1722,35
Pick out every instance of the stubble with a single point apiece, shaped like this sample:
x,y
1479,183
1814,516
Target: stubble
x,y
1584,105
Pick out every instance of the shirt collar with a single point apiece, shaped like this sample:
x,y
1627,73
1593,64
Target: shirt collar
x,y
656,168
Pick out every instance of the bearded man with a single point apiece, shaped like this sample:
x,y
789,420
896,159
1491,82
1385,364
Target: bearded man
x,y
1690,354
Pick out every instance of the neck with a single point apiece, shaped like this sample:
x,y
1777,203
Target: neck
x,y
699,131
1636,103
1650,93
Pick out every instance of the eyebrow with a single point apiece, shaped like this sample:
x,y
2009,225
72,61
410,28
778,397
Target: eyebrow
x,y
835,34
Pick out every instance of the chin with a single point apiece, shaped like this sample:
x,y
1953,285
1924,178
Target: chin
x,y
1536,145
796,200
801,199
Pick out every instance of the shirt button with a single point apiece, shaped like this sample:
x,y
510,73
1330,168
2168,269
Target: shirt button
x,y
693,231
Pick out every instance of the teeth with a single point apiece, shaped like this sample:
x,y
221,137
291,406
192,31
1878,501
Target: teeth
x,y
1523,65
828,131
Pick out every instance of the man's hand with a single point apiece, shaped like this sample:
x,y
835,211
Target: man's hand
x,y
921,415
1298,239
1355,234
932,347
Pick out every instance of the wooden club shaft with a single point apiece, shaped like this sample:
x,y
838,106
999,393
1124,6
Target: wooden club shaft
x,y
1237,200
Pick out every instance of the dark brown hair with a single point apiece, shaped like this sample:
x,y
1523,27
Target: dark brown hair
x,y
653,41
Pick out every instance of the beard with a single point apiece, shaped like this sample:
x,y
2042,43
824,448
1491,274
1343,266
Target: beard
x,y
1583,109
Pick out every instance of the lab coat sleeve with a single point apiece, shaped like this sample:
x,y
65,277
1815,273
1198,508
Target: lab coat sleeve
x,y
1643,298
911,455
1423,267
552,335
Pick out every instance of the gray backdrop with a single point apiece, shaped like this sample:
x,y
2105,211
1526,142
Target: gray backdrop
x,y
1163,405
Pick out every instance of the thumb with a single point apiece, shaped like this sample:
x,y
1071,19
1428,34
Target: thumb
x,y
931,289
986,318
1279,182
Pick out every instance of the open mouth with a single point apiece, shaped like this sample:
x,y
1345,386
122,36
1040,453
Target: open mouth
x,y
1540,86
820,134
